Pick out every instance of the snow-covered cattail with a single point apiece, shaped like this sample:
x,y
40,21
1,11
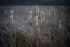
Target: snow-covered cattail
x,y
36,15
11,16
36,20
30,15
42,17
36,10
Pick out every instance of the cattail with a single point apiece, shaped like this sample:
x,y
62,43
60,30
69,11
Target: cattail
x,y
11,16
30,15
36,15
42,17
36,20
37,10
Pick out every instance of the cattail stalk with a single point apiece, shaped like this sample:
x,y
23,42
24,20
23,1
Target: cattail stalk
x,y
36,26
11,21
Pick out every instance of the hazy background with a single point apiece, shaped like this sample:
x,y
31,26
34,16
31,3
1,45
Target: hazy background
x,y
34,2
